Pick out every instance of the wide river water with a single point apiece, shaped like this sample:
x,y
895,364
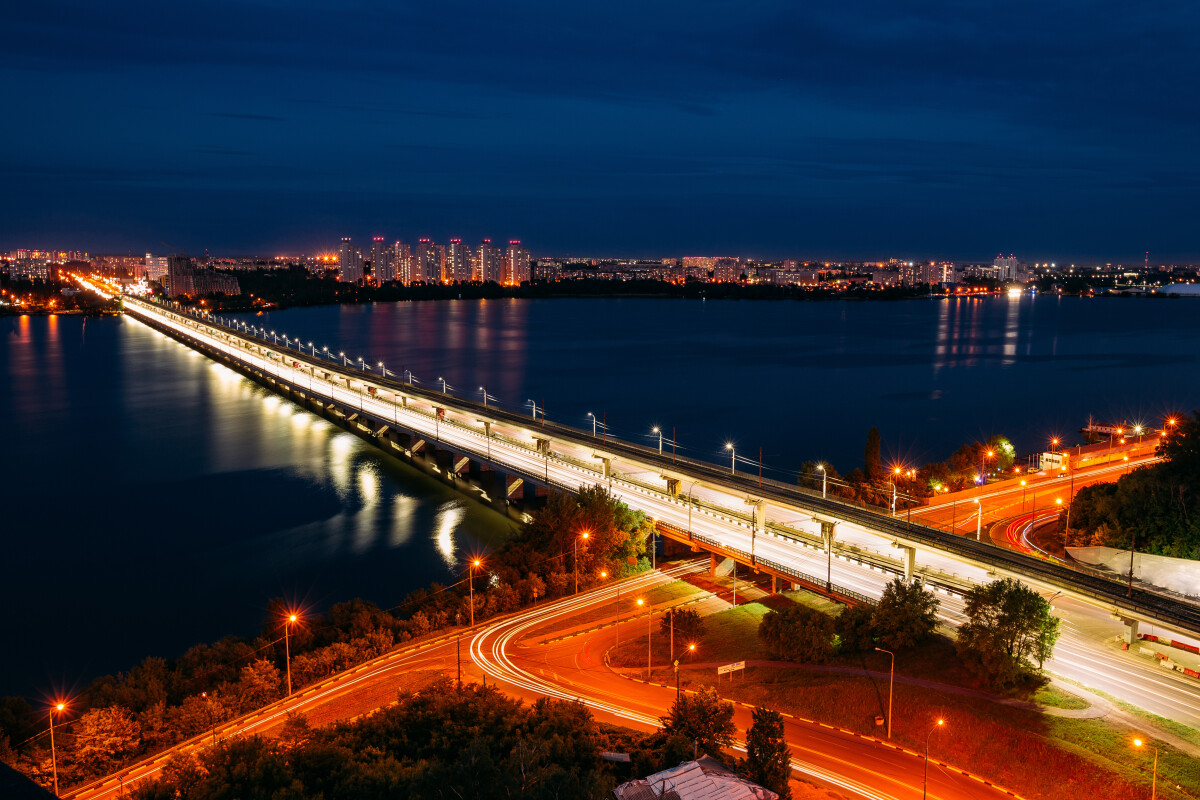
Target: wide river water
x,y
152,499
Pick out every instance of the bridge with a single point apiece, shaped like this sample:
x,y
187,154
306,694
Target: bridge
x,y
794,535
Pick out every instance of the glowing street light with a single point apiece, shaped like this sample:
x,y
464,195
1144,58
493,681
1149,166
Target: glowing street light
x,y
287,649
1154,773
824,476
891,686
471,586
59,707
925,789
593,416
584,535
657,430
732,458
978,519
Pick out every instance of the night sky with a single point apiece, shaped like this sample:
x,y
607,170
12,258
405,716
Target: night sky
x,y
1058,131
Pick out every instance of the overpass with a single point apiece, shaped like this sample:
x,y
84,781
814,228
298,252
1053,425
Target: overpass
x,y
788,532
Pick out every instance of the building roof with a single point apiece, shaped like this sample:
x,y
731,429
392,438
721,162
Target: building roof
x,y
1182,289
704,779
15,786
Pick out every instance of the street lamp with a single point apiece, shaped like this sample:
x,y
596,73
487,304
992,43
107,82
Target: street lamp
x,y
287,648
211,720
691,649
1153,774
533,405
593,416
660,438
1023,488
584,535
891,686
732,458
978,520
824,475
925,788
443,380
471,587
59,707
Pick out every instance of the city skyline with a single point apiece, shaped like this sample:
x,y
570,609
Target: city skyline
x,y
849,132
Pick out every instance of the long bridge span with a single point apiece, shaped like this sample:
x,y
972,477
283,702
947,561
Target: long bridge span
x,y
790,533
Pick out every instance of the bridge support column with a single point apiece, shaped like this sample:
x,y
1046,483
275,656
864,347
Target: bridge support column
x,y
1131,630
672,486
606,466
712,565
757,520
827,534
910,561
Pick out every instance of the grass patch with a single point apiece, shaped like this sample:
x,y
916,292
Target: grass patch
x,y
676,590
1057,698
729,635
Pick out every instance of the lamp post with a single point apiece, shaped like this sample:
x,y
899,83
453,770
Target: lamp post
x,y
891,686
649,632
593,416
584,535
211,721
925,786
657,430
732,458
59,707
893,485
1153,774
443,381
471,587
824,476
1023,488
533,404
978,519
287,649
485,395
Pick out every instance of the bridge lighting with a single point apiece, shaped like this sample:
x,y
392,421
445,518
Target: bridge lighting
x,y
1154,774
732,458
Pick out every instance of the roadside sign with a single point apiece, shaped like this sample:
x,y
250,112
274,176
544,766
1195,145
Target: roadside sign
x,y
730,668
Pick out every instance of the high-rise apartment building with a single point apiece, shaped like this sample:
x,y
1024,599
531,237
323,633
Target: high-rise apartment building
x,y
1005,267
516,264
381,260
427,266
401,262
458,261
350,262
491,262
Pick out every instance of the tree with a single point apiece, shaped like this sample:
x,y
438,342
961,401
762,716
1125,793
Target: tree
x,y
768,759
856,629
103,737
906,614
258,685
702,718
1009,630
797,633
872,459
689,626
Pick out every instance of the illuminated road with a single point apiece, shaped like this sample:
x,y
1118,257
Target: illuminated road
x,y
723,516
573,669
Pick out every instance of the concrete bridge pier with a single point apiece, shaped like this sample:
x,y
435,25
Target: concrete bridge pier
x,y
910,560
1131,630
828,528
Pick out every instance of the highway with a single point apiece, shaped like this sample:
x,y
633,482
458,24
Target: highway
x,y
788,540
572,669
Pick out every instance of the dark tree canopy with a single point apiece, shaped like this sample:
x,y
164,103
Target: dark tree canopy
x,y
797,633
1009,632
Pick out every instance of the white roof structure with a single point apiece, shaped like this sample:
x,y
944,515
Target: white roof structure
x,y
705,779
1181,289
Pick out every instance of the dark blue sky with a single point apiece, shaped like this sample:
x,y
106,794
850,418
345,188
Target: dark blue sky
x,y
1060,131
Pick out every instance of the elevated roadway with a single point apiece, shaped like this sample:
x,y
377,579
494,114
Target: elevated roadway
x,y
764,524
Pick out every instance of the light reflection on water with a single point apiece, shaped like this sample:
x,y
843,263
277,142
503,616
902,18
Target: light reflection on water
x,y
171,493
